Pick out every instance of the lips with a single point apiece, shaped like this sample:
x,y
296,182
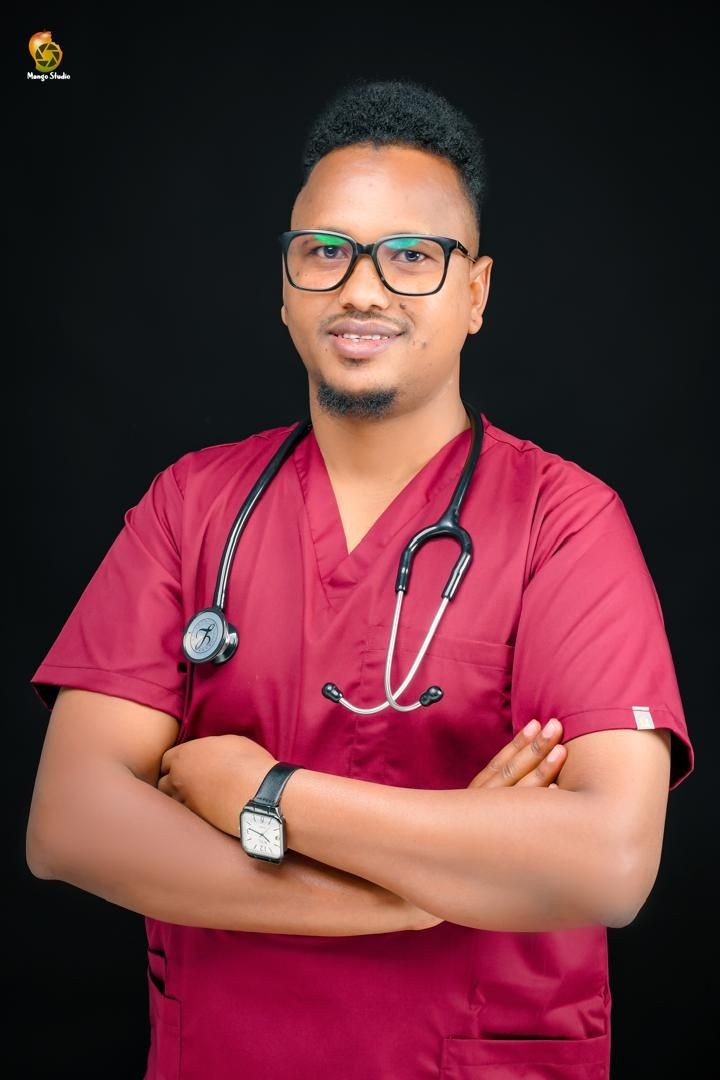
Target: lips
x,y
361,348
352,334
363,328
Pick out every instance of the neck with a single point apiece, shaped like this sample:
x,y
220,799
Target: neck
x,y
386,452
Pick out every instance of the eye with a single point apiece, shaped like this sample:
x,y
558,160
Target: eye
x,y
410,251
415,251
330,248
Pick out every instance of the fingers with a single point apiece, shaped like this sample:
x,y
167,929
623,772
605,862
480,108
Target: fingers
x,y
547,757
526,759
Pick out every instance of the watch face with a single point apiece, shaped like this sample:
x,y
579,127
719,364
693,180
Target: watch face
x,y
261,834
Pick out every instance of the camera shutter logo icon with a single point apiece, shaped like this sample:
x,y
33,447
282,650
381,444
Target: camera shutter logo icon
x,y
46,53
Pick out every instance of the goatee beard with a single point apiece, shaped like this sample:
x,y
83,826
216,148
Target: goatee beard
x,y
360,403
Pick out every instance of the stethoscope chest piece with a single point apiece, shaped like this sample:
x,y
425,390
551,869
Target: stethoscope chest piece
x,y
209,636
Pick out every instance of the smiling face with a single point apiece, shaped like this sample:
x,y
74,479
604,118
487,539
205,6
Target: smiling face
x,y
368,193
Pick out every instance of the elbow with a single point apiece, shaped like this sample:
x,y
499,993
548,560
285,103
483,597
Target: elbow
x,y
631,882
37,858
39,870
616,920
41,836
47,831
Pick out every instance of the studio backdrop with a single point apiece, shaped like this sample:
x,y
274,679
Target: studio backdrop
x,y
153,178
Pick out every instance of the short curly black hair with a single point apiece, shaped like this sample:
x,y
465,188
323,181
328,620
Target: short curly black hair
x,y
386,112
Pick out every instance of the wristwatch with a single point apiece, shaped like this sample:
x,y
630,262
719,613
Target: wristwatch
x,y
262,826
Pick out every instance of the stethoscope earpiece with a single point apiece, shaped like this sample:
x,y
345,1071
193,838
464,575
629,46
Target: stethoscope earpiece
x,y
431,695
331,692
209,637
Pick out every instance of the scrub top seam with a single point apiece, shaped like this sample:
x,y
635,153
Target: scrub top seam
x,y
613,708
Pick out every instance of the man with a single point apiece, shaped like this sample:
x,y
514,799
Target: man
x,y
451,819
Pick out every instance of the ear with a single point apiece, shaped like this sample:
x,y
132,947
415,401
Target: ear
x,y
479,287
283,314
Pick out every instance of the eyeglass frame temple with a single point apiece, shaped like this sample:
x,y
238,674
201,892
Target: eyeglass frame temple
x,y
448,244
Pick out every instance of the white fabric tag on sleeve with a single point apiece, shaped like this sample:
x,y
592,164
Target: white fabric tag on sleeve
x,y
643,716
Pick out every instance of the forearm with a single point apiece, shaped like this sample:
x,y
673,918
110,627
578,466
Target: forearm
x,y
493,858
127,842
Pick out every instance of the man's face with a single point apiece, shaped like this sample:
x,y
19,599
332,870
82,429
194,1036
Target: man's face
x,y
368,193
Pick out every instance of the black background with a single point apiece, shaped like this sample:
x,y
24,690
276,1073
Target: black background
x,y
175,142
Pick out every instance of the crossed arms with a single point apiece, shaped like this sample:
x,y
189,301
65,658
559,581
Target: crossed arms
x,y
365,858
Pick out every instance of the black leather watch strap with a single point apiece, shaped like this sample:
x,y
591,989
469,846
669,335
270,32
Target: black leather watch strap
x,y
275,780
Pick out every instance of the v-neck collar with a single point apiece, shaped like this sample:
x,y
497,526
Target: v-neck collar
x,y
339,568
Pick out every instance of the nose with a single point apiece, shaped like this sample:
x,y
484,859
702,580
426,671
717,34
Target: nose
x,y
364,288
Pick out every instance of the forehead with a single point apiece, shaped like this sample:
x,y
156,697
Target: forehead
x,y
368,192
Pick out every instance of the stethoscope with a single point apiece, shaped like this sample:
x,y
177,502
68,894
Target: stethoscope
x,y
209,636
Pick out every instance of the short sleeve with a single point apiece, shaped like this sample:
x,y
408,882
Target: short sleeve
x,y
124,635
591,647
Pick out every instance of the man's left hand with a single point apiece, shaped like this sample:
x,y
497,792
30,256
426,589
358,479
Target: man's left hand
x,y
215,776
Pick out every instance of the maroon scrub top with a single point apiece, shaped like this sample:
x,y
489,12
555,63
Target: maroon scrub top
x,y
556,616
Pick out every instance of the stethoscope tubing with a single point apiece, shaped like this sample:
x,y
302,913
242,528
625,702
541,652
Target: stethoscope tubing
x,y
258,489
209,637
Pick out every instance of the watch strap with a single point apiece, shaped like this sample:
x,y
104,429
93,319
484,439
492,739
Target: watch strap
x,y
273,783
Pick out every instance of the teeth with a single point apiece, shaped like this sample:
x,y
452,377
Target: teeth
x,y
364,337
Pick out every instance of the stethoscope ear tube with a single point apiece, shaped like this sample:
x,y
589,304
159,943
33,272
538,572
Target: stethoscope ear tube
x,y
458,571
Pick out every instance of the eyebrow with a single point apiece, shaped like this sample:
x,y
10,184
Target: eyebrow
x,y
410,232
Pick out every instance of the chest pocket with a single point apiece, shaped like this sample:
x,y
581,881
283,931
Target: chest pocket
x,y
443,745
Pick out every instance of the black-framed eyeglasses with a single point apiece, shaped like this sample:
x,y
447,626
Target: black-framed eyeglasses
x,y
412,264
